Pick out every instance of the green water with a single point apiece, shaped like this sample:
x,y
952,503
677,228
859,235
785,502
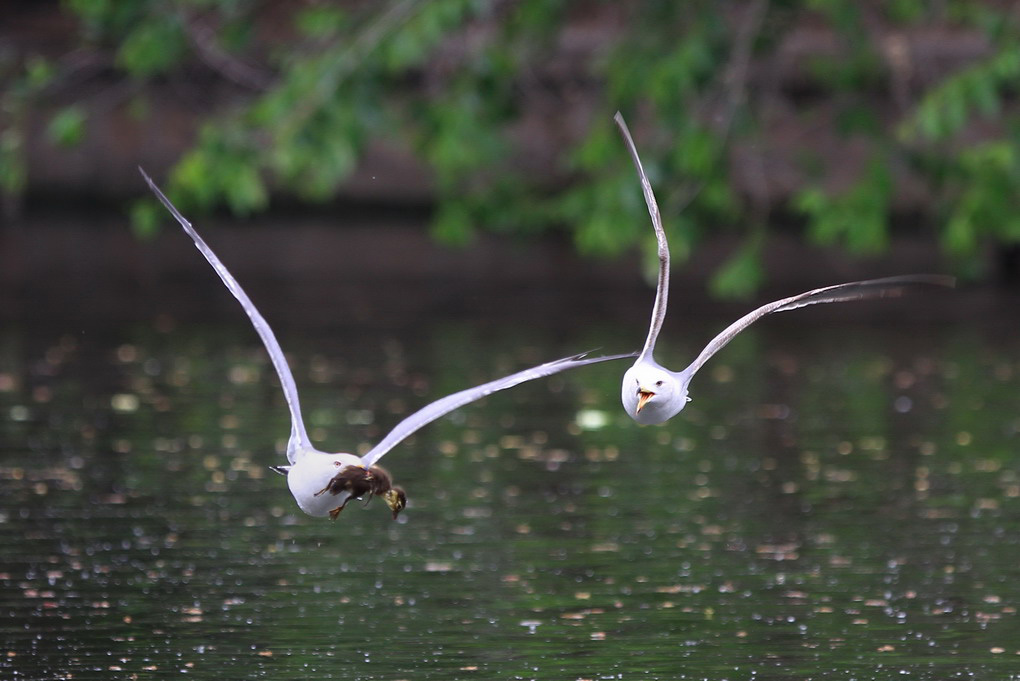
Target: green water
x,y
841,500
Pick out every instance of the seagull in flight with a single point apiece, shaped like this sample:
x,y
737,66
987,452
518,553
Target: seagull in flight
x,y
322,482
653,394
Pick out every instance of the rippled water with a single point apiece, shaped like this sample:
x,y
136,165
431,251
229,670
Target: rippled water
x,y
841,500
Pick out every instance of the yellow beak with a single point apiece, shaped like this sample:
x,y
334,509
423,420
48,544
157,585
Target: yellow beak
x,y
643,397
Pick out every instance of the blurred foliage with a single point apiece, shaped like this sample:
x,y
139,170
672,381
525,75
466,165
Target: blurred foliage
x,y
315,82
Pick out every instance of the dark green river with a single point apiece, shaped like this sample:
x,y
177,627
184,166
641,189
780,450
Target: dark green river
x,y
840,500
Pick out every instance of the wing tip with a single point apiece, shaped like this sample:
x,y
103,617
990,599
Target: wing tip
x,y
152,185
899,285
149,181
946,280
584,358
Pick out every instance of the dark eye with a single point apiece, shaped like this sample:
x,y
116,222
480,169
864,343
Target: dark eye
x,y
658,384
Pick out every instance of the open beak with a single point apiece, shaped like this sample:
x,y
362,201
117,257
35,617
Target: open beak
x,y
643,397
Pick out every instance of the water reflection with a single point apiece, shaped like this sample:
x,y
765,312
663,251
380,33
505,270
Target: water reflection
x,y
822,509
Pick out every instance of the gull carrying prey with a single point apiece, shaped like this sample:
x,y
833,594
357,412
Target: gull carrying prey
x,y
323,483
651,393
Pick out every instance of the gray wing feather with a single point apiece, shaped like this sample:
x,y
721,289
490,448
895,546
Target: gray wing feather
x,y
888,287
662,289
298,431
445,405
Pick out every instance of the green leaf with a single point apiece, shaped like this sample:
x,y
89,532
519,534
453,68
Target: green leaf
x,y
810,200
905,11
320,21
741,274
67,127
146,215
192,174
982,92
959,235
39,72
89,10
152,47
13,171
596,235
452,223
245,190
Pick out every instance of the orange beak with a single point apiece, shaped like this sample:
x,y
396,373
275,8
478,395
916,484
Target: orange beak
x,y
643,397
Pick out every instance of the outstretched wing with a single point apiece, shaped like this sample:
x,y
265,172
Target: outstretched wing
x,y
299,436
662,289
889,287
444,406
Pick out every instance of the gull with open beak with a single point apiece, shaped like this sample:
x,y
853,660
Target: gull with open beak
x,y
322,483
652,393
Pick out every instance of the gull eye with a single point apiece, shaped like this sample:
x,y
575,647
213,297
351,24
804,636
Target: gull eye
x,y
658,384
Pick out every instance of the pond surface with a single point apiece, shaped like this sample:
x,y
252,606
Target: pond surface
x,y
841,500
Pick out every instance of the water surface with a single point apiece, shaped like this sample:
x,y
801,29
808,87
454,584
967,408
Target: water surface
x,y
841,500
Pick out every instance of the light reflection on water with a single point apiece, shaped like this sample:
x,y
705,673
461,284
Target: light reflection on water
x,y
837,502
